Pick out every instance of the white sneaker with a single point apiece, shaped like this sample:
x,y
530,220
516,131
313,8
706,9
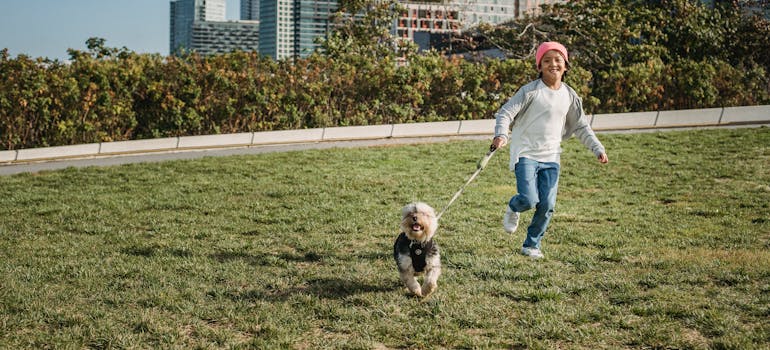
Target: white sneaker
x,y
510,220
533,253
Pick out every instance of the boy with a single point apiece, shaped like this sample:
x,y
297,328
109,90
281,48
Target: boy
x,y
544,112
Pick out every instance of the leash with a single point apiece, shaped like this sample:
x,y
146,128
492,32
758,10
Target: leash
x,y
479,167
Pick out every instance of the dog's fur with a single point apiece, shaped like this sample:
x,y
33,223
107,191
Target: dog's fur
x,y
415,251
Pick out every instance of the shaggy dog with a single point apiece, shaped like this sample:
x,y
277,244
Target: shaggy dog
x,y
415,251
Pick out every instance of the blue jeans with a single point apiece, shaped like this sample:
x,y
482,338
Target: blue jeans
x,y
536,183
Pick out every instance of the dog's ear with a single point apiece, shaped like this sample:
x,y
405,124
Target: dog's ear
x,y
425,208
432,227
432,212
408,210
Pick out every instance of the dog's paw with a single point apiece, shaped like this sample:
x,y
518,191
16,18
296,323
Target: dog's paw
x,y
428,289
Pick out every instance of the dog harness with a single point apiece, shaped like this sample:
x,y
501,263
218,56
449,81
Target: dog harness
x,y
418,251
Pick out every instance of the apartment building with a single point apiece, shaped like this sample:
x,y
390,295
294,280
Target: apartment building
x,y
201,26
222,37
429,23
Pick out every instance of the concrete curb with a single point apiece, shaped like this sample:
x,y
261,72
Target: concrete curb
x,y
139,146
623,121
287,136
58,152
747,114
695,117
600,122
357,132
426,129
8,156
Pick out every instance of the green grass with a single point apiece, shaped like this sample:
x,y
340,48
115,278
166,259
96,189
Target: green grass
x,y
668,246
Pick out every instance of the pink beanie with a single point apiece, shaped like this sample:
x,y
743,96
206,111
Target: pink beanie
x,y
548,46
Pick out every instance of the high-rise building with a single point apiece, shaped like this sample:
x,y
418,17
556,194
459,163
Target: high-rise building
x,y
276,28
289,28
250,10
201,26
182,17
211,10
314,22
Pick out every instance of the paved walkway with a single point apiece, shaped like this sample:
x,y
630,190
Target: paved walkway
x,y
33,167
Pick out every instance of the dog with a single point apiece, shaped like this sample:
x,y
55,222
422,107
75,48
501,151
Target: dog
x,y
415,251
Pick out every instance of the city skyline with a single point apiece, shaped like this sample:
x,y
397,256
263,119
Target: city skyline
x,y
47,28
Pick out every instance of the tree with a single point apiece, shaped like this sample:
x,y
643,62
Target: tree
x,y
361,28
619,39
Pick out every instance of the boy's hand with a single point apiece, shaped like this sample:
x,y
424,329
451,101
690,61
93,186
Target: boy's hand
x,y
498,142
603,158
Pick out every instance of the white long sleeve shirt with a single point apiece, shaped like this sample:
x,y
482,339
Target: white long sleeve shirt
x,y
541,119
541,141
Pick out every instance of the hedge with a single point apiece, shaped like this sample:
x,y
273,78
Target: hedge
x,y
113,95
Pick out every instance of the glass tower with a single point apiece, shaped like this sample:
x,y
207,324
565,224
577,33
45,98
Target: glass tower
x,y
288,28
250,10
313,22
182,17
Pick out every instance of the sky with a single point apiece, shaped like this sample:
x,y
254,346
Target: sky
x,y
47,28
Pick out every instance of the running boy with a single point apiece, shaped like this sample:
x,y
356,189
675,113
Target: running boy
x,y
544,112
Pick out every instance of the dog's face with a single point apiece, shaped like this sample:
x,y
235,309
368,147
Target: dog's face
x,y
418,221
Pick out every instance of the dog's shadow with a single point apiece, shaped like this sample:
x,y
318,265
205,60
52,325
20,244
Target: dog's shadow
x,y
322,288
339,288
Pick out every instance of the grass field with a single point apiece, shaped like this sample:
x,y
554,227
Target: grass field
x,y
667,246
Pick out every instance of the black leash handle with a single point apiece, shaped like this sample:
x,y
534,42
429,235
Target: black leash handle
x,y
483,162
